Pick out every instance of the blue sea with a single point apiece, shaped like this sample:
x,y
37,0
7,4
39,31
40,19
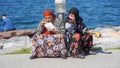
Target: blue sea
x,y
26,14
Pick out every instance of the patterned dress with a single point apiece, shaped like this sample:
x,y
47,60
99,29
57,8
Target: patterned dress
x,y
49,45
87,42
75,45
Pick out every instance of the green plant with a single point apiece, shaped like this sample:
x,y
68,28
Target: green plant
x,y
116,48
99,48
22,51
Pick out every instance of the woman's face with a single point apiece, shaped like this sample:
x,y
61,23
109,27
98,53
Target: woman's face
x,y
72,17
49,18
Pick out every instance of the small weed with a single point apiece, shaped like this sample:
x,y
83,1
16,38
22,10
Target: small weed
x,y
22,51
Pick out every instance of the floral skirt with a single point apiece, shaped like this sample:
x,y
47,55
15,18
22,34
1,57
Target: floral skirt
x,y
75,45
80,43
49,45
87,42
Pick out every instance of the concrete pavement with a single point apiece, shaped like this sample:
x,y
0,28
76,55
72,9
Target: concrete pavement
x,y
100,60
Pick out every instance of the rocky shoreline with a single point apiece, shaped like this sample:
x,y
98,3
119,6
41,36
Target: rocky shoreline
x,y
110,37
14,33
15,41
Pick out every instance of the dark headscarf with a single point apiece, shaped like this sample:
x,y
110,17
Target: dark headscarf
x,y
79,21
75,11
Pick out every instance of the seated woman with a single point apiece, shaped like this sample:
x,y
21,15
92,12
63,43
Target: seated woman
x,y
80,37
48,42
73,43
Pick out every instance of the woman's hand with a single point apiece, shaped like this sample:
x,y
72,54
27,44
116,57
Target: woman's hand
x,y
91,32
55,31
98,34
43,23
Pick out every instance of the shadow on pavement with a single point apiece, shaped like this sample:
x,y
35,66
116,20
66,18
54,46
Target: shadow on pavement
x,y
100,50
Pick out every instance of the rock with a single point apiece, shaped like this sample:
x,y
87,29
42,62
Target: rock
x,y
110,37
15,43
108,29
15,40
9,34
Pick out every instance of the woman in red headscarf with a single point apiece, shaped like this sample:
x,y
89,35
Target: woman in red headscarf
x,y
49,17
48,42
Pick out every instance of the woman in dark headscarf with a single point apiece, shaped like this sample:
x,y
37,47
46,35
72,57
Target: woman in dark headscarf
x,y
74,24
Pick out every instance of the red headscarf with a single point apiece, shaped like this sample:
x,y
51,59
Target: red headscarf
x,y
48,13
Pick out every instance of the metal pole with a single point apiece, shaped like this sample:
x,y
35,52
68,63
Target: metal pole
x,y
61,16
60,7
